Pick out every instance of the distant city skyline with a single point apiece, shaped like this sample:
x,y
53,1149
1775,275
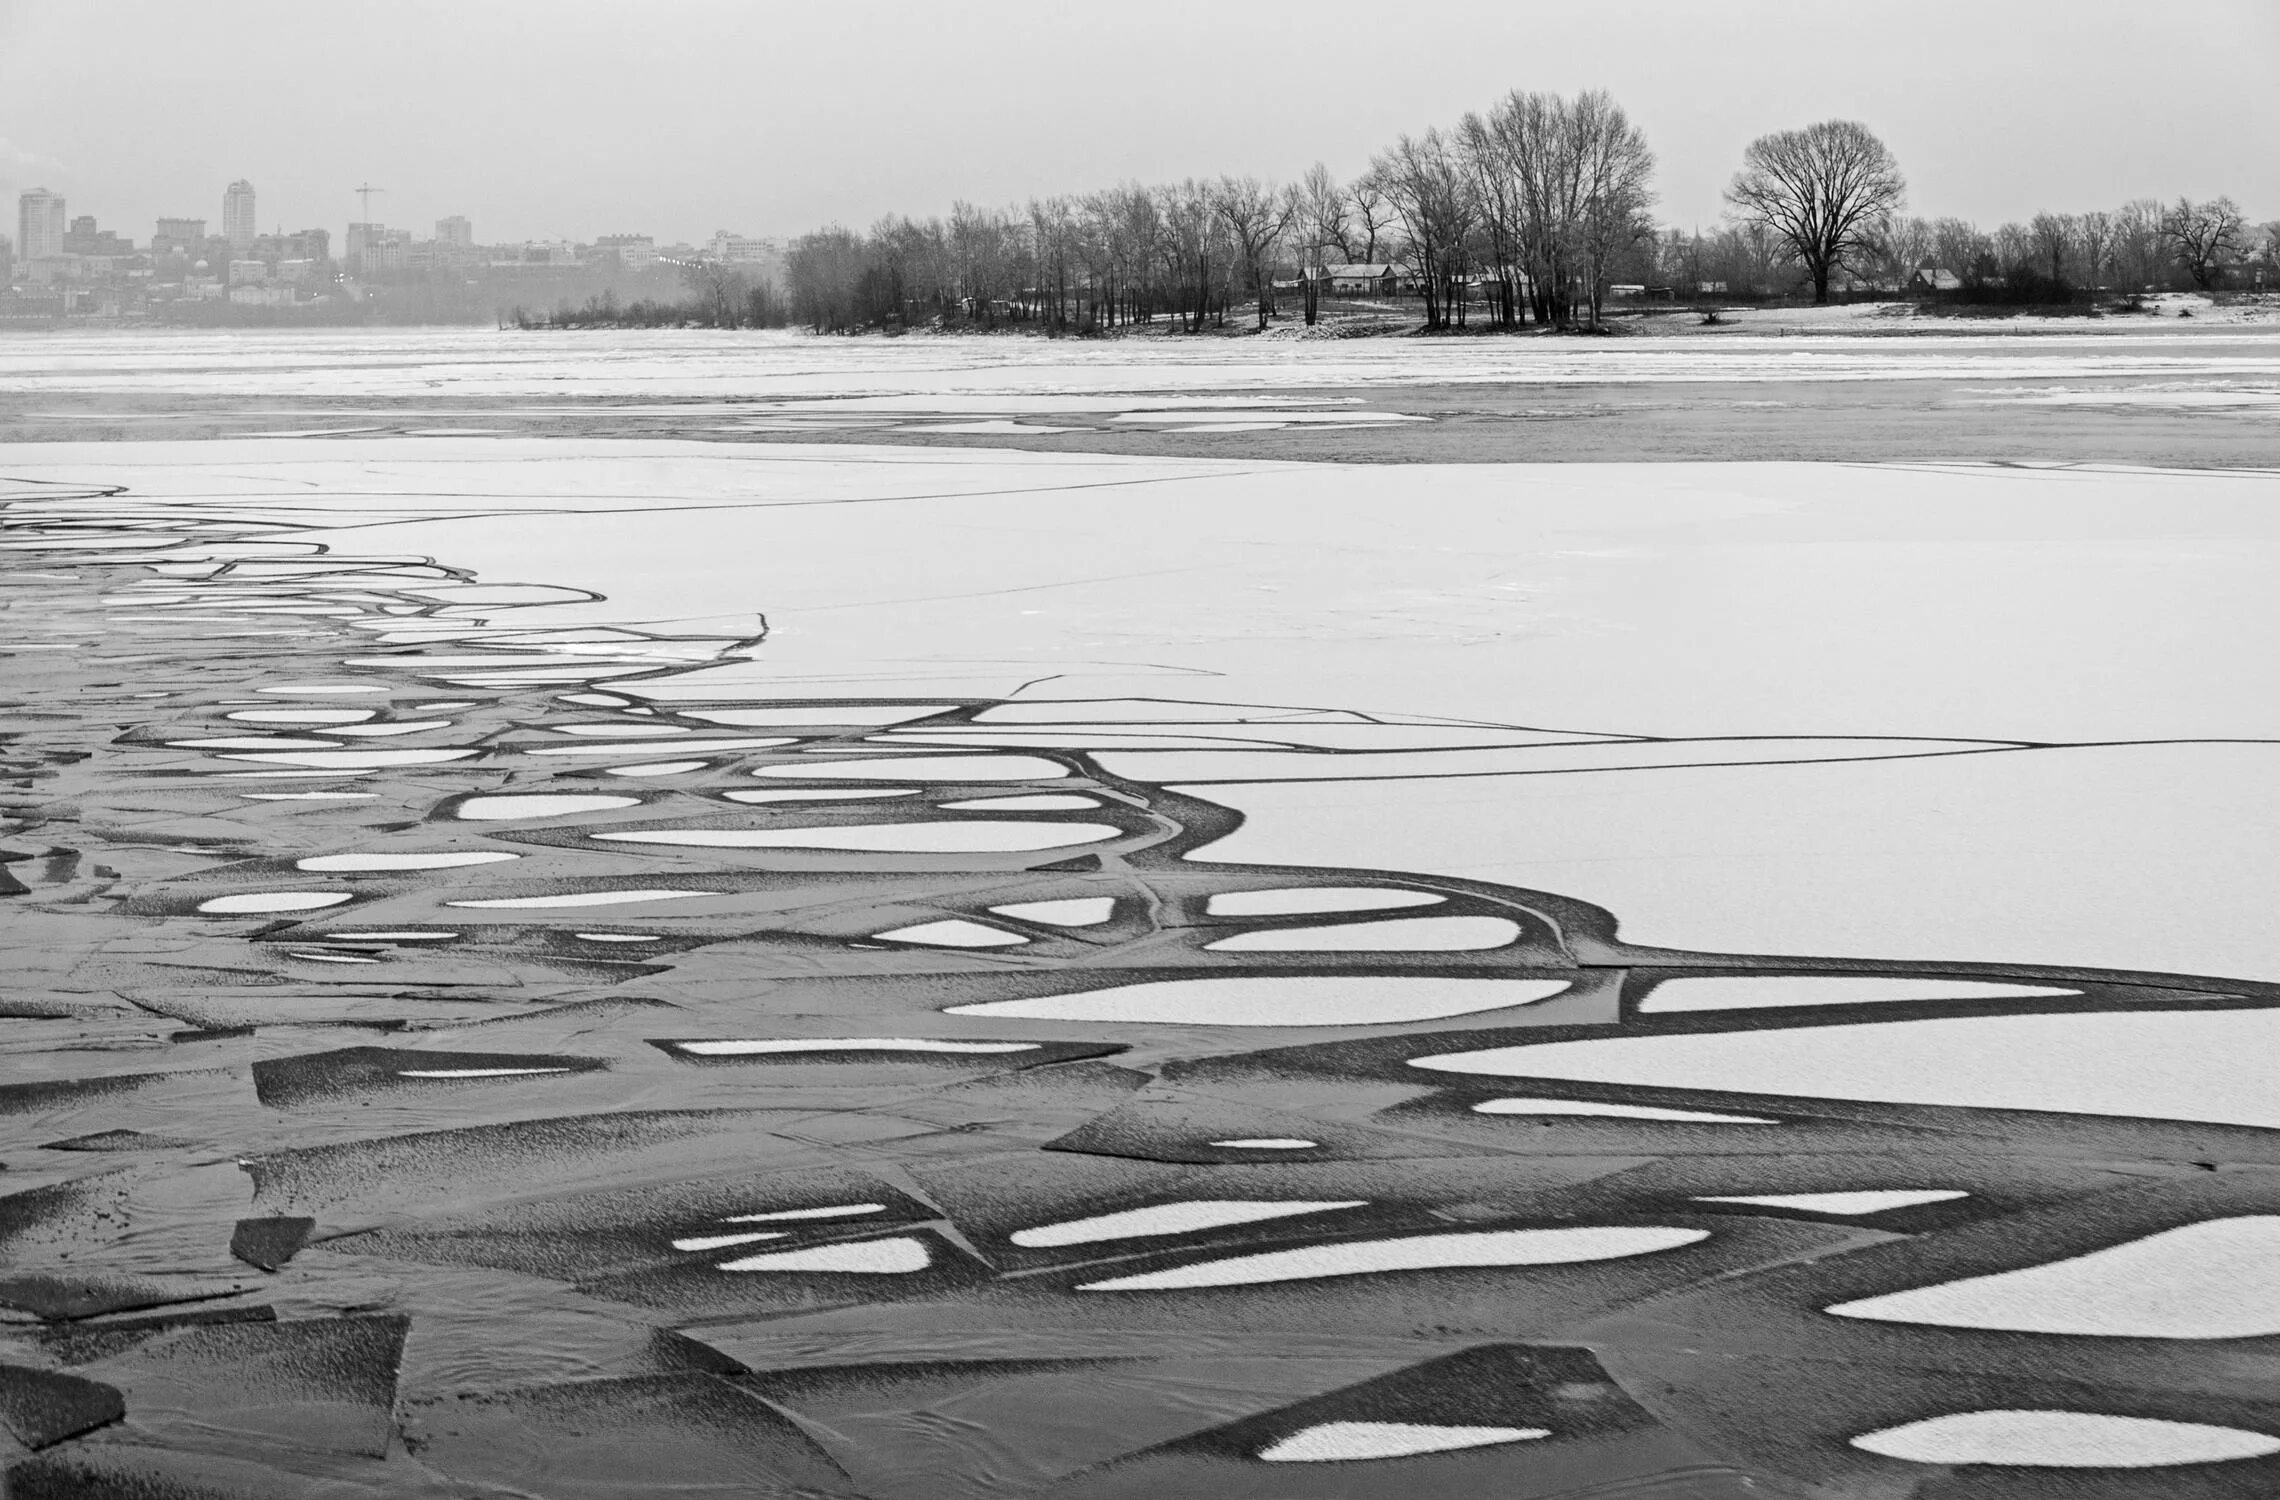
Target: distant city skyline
x,y
771,120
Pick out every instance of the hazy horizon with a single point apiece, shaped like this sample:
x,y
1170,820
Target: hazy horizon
x,y
567,120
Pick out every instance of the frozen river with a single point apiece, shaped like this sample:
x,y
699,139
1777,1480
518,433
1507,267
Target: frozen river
x,y
979,917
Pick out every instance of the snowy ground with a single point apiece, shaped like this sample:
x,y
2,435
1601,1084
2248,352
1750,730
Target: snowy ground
x,y
900,965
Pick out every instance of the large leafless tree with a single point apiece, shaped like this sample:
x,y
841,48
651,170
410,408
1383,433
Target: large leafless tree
x,y
2203,237
1823,189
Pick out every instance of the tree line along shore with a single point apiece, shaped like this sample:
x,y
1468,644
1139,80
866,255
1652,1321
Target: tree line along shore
x,y
1532,214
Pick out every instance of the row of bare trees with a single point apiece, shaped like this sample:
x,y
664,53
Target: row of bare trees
x,y
1529,210
2142,244
1525,208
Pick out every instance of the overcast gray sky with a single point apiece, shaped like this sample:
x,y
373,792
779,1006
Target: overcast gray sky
x,y
572,118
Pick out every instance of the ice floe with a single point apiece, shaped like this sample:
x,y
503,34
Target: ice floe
x,y
833,1211
1402,935
475,1072
1300,900
1592,1108
1421,1252
539,805
2218,1279
1185,1217
1078,911
440,860
1315,1000
976,837
723,1241
2213,1066
1862,1201
773,1045
1755,991
888,1257
352,758
954,933
2064,1440
1031,802
230,906
932,768
823,794
583,898
1347,1442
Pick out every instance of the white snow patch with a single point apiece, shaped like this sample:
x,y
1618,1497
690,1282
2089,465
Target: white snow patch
x,y
1170,1218
1345,1442
2219,1279
2064,1440
1750,992
227,906
1402,935
1316,1000
441,860
898,1256
1423,1252
1296,900
1590,1107
1862,1201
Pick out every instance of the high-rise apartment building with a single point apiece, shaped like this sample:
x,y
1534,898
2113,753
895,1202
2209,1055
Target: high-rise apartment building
x,y
186,235
455,232
40,224
237,214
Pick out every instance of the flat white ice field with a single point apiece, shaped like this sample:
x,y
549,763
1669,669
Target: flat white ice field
x,y
2069,735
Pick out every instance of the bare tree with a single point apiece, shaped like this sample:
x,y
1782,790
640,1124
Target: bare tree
x,y
1256,215
2014,248
2095,231
1819,188
2055,237
1905,243
1373,218
2137,242
1612,168
719,286
1497,189
1319,219
2203,238
1424,180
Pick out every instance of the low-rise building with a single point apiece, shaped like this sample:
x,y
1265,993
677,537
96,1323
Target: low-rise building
x,y
631,252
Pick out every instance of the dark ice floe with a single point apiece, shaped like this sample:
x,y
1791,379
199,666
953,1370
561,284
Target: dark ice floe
x,y
1507,1119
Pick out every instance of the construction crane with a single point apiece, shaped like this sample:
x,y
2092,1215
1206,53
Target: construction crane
x,y
365,193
